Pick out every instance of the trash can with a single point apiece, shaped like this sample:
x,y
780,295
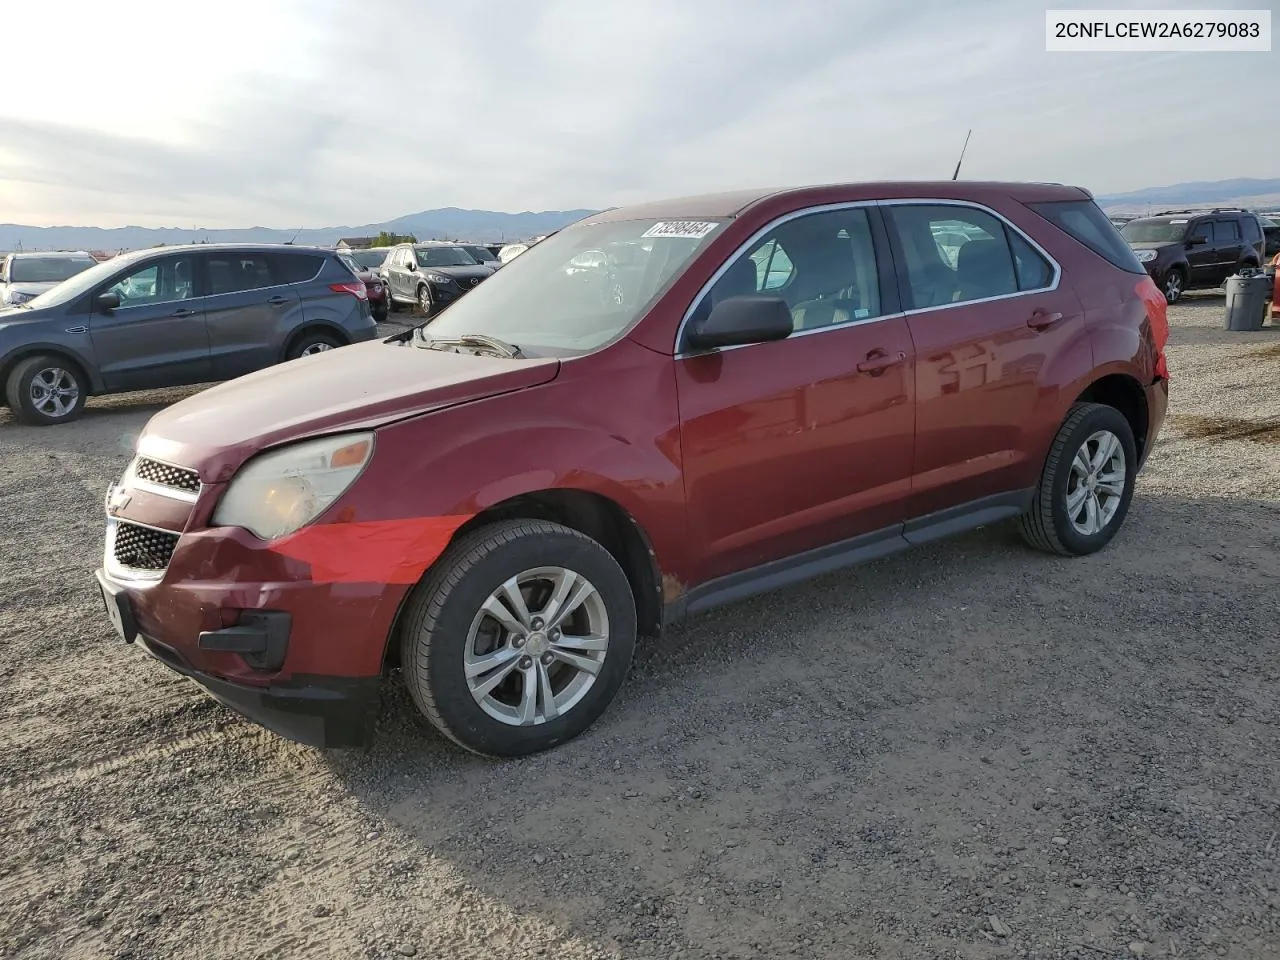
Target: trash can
x,y
1247,301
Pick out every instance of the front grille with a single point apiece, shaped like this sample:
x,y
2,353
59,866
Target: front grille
x,y
143,548
153,471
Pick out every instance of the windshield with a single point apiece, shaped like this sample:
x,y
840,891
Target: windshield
x,y
443,257
1154,231
482,254
579,289
47,269
85,281
368,259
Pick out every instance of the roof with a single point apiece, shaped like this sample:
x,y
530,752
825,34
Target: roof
x,y
357,243
48,253
732,204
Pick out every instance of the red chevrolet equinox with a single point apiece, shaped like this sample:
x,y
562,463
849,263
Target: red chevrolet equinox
x,y
659,409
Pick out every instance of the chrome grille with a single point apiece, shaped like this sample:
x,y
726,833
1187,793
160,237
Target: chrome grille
x,y
143,548
153,471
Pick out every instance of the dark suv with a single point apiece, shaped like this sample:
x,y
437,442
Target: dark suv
x,y
431,274
1187,249
503,499
172,316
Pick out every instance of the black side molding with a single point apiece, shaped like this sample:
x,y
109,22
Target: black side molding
x,y
848,553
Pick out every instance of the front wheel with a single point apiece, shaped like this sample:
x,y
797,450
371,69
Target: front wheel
x,y
1086,485
44,390
424,300
519,638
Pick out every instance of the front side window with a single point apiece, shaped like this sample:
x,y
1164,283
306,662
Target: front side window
x,y
579,289
47,269
1201,231
158,282
822,265
953,254
238,272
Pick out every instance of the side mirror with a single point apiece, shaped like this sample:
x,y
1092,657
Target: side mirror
x,y
411,266
736,321
108,301
1199,240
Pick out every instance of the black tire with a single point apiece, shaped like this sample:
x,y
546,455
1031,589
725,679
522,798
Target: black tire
x,y
424,299
380,313
310,343
392,306
1047,525
442,609
1174,285
28,390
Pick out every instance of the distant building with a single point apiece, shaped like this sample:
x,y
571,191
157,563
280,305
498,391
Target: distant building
x,y
356,243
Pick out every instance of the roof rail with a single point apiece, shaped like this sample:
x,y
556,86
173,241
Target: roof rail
x,y
1165,213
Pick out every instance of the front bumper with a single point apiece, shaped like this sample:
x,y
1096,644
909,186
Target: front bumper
x,y
317,710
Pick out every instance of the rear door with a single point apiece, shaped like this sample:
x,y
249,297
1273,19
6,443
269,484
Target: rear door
x,y
986,314
249,307
1228,244
157,336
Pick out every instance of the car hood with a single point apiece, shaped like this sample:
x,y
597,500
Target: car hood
x,y
477,272
1155,245
31,288
351,388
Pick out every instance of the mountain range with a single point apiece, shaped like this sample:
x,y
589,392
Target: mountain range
x,y
490,226
481,226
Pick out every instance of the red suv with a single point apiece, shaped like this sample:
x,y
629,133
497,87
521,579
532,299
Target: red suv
x,y
659,409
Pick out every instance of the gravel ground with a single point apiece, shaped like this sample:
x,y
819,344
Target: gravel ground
x,y
970,751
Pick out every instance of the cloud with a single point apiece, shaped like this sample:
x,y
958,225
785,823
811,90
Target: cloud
x,y
316,113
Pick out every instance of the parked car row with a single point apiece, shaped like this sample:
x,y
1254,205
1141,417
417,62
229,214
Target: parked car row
x,y
173,316
773,386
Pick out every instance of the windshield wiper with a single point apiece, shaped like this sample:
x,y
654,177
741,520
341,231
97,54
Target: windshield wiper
x,y
500,347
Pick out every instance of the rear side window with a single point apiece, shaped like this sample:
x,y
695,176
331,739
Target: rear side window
x,y
1033,270
1085,221
1225,231
295,267
952,254
238,272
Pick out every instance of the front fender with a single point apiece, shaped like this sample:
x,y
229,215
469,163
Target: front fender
x,y
30,348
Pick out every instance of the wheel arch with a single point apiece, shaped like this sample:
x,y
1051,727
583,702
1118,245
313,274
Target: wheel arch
x,y
311,327
597,516
72,357
1123,392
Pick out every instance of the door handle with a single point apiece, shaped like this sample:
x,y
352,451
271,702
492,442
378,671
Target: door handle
x,y
1043,320
277,300
878,362
182,312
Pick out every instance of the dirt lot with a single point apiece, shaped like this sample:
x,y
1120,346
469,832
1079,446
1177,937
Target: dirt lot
x,y
970,751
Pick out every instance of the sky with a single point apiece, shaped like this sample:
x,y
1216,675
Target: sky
x,y
334,112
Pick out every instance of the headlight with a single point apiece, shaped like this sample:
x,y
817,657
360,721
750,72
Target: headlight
x,y
14,297
439,278
276,493
1145,256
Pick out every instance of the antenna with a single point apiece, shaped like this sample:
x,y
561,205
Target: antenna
x,y
956,175
294,237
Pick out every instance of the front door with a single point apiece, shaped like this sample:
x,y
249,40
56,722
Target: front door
x,y
157,336
794,444
986,315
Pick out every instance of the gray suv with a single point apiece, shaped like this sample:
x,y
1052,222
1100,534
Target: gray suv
x,y
173,316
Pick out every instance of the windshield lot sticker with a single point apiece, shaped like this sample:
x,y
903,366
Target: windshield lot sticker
x,y
683,229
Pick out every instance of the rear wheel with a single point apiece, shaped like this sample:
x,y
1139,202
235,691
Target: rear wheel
x,y
309,344
380,312
1175,285
1086,485
44,390
519,638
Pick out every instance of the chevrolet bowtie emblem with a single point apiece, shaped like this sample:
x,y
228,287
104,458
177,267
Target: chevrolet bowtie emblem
x,y
119,500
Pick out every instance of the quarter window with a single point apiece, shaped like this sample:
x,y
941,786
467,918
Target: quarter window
x,y
954,254
822,265
1033,270
158,282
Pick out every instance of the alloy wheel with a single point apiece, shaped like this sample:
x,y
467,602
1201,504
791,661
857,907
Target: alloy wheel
x,y
536,646
313,348
1096,483
424,300
54,392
